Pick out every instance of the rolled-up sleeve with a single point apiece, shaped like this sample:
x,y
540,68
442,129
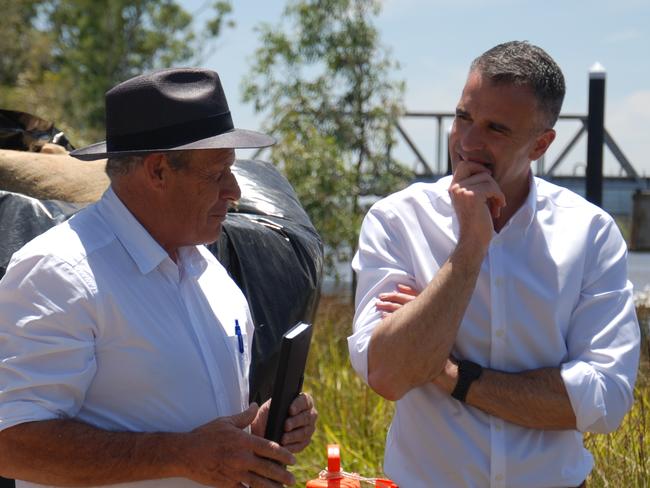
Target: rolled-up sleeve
x,y
380,264
604,338
47,357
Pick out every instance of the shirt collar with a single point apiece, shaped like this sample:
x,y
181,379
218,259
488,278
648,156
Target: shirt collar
x,y
191,260
143,249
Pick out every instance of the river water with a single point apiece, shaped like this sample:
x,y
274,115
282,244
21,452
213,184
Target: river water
x,y
638,270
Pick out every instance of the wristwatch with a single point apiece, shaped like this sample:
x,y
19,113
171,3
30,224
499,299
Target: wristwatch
x,y
468,371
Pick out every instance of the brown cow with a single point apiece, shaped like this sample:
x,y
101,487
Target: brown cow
x,y
51,176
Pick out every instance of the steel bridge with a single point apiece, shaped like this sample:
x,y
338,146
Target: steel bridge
x,y
426,168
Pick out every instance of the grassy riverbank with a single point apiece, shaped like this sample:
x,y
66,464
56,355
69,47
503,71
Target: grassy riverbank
x,y
356,418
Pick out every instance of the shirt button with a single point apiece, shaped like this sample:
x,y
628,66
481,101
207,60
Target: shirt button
x,y
498,281
497,427
500,333
499,477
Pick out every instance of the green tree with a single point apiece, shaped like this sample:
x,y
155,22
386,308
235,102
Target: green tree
x,y
84,47
24,50
16,38
323,80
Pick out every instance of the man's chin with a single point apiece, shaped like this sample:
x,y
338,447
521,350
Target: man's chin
x,y
210,237
214,237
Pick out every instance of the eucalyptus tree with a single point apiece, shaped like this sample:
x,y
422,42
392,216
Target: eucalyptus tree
x,y
324,82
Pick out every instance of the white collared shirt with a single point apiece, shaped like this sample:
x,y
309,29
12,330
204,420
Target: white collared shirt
x,y
100,325
552,292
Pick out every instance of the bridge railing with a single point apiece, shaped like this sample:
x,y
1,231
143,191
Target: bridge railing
x,y
441,164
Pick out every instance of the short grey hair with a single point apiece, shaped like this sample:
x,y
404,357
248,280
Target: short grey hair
x,y
522,64
121,165
117,166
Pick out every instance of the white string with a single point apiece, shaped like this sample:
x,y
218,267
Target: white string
x,y
333,475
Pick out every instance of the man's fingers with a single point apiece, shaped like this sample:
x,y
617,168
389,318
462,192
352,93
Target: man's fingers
x,y
306,417
388,306
225,454
390,302
259,424
478,184
396,297
301,423
297,446
476,178
297,438
495,207
272,450
465,169
245,418
482,186
302,402
406,289
265,473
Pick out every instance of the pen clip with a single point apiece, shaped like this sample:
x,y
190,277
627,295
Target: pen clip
x,y
240,339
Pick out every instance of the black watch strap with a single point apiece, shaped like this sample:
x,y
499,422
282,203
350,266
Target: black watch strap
x,y
468,371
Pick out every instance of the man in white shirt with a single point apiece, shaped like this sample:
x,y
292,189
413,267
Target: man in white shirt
x,y
124,344
493,306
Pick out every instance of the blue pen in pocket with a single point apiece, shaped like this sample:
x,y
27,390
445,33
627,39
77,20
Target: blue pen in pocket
x,y
240,339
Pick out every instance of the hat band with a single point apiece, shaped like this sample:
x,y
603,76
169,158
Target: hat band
x,y
171,136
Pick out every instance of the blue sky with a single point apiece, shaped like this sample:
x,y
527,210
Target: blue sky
x,y
434,41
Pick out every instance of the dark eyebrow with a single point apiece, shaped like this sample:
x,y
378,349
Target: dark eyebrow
x,y
460,111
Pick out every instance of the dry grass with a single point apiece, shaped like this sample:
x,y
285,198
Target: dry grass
x,y
357,419
623,457
350,414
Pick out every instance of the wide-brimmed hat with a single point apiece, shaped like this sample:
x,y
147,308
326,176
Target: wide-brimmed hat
x,y
175,109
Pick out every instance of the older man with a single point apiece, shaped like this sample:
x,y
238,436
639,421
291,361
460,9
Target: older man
x,y
125,344
523,333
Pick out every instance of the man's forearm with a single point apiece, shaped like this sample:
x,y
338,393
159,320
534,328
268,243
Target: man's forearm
x,y
410,347
70,453
536,399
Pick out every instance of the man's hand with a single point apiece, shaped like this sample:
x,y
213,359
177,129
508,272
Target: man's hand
x,y
392,301
477,199
221,453
299,426
448,377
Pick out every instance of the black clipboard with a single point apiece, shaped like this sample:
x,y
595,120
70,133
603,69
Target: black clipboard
x,y
288,377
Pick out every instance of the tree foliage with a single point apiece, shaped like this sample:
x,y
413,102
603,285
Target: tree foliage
x,y
17,37
70,52
324,82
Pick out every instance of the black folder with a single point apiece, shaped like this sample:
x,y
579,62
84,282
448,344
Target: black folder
x,y
288,377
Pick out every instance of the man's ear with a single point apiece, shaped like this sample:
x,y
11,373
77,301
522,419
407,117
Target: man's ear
x,y
156,169
542,143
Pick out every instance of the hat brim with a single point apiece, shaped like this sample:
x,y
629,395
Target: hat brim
x,y
234,139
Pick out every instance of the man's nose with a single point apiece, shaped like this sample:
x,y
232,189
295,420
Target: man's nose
x,y
231,190
472,138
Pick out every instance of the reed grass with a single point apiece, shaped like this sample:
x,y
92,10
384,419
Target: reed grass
x,y
622,458
353,416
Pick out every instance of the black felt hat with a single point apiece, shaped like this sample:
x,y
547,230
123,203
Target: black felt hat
x,y
169,110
